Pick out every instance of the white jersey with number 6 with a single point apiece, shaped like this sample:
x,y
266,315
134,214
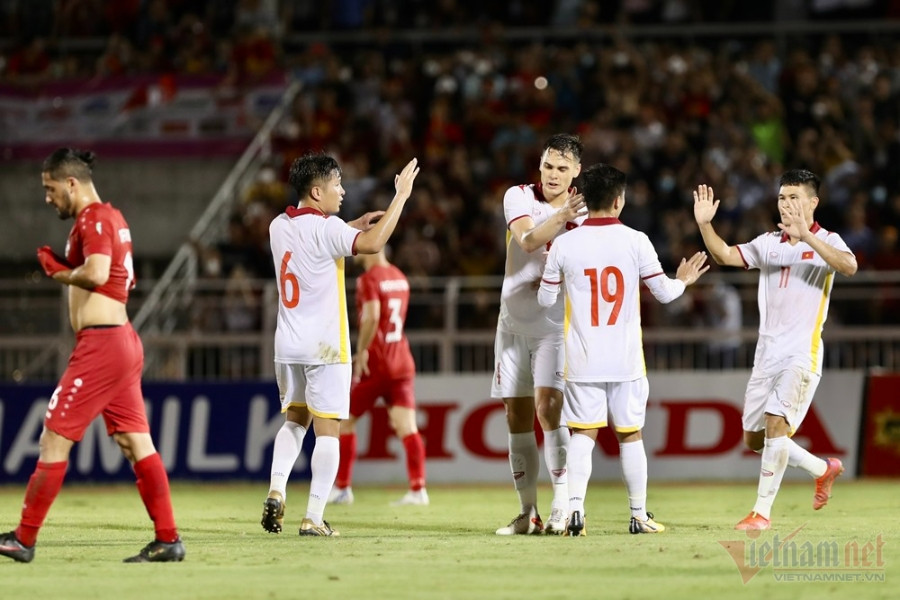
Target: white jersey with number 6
x,y
308,249
603,263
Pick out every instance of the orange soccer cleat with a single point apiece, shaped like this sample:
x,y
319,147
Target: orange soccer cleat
x,y
753,522
824,483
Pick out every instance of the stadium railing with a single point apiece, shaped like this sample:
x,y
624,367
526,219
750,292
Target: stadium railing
x,y
221,335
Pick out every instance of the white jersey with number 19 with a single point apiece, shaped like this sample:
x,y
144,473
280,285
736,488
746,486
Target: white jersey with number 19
x,y
308,249
603,263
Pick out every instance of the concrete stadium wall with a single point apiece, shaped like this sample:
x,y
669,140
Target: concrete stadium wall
x,y
160,198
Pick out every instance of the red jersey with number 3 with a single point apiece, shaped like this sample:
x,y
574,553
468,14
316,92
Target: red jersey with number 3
x,y
101,229
389,354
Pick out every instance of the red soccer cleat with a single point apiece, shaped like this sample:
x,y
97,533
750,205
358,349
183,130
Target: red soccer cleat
x,y
753,522
824,483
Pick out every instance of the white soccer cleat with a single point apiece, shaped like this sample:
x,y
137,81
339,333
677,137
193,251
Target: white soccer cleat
x,y
413,498
525,524
341,495
556,524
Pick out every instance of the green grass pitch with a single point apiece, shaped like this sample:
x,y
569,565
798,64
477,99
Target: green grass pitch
x,y
449,550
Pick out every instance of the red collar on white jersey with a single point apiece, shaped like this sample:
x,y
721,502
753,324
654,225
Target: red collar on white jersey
x,y
601,221
294,211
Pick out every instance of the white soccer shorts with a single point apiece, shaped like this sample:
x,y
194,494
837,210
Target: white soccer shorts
x,y
589,405
522,363
788,394
323,389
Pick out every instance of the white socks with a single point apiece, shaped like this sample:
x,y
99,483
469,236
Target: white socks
x,y
556,443
324,466
775,456
800,457
288,443
634,473
524,461
580,462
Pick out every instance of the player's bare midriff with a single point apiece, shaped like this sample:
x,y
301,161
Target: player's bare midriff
x,y
89,309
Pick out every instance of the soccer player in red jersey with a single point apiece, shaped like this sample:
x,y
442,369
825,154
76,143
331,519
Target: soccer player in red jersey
x,y
103,376
382,368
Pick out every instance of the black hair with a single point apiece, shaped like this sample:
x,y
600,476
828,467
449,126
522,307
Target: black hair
x,y
801,177
565,143
69,162
600,185
309,169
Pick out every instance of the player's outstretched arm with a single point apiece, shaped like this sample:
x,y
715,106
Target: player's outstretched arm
x,y
367,221
664,289
373,240
531,237
704,210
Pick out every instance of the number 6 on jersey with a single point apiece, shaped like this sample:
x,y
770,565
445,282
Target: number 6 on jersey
x,y
285,277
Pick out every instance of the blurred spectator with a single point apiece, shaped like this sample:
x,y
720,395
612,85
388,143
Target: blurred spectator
x,y
732,111
718,310
254,56
30,64
856,232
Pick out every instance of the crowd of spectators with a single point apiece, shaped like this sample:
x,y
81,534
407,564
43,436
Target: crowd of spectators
x,y
672,111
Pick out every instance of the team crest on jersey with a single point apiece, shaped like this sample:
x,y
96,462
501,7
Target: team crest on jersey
x,y
807,255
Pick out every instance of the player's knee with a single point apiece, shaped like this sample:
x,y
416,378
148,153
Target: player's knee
x,y
754,440
348,426
54,447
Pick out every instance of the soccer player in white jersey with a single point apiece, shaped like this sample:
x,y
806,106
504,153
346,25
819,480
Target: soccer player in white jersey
x,y
528,348
796,272
602,264
312,336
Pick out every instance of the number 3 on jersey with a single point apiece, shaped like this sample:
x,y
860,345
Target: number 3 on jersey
x,y
615,295
290,286
396,332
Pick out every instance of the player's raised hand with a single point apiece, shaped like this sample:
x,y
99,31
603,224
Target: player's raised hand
x,y
51,262
691,269
404,181
704,204
575,205
793,217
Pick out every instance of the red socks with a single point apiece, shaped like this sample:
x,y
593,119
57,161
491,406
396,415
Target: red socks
x,y
415,461
347,447
43,487
153,485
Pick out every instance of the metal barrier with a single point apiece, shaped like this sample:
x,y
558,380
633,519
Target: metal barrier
x,y
451,323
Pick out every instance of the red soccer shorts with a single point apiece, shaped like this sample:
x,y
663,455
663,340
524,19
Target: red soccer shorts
x,y
366,392
103,377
